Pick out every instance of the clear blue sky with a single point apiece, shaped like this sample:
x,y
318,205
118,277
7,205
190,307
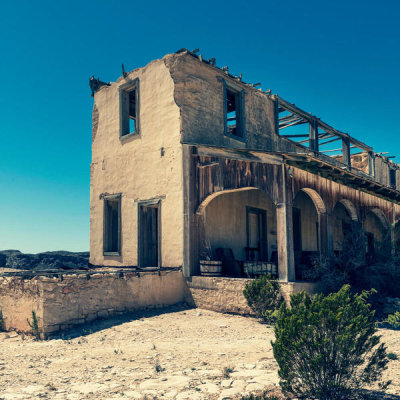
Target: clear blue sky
x,y
338,59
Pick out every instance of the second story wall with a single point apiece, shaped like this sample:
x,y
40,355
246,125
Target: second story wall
x,y
199,92
140,166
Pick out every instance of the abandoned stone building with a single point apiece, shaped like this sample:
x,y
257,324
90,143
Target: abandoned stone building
x,y
192,163
199,182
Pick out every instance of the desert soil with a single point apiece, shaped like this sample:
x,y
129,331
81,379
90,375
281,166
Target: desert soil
x,y
166,354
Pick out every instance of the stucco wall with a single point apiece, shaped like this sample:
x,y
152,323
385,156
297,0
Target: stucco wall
x,y
75,300
136,167
225,220
199,94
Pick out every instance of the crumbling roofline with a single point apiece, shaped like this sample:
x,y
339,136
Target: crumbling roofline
x,y
311,118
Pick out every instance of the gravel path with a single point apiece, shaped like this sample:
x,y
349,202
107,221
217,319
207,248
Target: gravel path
x,y
169,354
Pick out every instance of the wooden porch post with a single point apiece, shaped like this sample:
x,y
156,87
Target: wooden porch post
x,y
284,221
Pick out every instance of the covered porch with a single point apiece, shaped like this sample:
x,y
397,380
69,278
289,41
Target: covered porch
x,y
257,212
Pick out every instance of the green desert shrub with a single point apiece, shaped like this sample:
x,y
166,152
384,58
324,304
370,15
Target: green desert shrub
x,y
263,297
34,326
394,320
326,346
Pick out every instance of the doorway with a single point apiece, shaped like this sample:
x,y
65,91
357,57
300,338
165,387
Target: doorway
x,y
149,235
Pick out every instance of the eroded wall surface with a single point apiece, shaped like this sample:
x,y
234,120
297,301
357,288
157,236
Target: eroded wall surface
x,y
61,304
141,167
18,298
199,94
226,294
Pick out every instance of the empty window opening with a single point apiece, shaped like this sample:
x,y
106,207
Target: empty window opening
x,y
112,223
129,109
132,111
234,112
149,235
392,178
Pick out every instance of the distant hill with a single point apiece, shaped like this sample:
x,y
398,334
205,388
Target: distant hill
x,y
44,261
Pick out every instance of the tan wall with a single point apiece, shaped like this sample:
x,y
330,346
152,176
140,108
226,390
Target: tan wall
x,y
226,294
74,300
18,298
135,167
199,93
225,220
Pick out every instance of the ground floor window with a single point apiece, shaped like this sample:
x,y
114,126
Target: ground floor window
x,y
149,234
112,225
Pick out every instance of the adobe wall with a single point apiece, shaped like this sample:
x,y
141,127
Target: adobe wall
x,y
61,304
136,166
226,294
199,94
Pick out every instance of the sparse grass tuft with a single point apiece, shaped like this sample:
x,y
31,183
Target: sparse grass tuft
x,y
34,325
158,367
227,372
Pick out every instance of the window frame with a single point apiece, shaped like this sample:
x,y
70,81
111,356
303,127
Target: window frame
x,y
124,91
392,177
240,112
106,229
156,203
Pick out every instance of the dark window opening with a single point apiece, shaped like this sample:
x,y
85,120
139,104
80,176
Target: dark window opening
x,y
392,178
234,112
132,111
257,245
112,222
149,235
129,109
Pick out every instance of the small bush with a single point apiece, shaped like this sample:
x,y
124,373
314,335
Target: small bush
x,y
394,320
34,325
263,297
392,356
326,346
227,372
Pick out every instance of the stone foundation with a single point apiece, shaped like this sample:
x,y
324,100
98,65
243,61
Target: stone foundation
x,y
226,294
80,298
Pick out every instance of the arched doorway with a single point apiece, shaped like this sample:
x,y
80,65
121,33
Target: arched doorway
x,y
308,207
343,216
241,223
376,228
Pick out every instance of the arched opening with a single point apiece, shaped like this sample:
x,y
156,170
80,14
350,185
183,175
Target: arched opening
x,y
343,216
307,208
239,226
376,228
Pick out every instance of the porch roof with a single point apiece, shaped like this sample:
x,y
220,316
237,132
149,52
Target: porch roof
x,y
323,166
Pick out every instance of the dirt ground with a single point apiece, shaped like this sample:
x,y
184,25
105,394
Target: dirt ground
x,y
169,353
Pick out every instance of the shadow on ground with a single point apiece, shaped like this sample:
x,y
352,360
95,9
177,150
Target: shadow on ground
x,y
105,323
378,395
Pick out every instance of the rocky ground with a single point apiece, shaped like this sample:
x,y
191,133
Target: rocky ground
x,y
169,354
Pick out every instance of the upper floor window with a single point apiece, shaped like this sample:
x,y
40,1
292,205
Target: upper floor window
x,y
234,111
392,178
129,108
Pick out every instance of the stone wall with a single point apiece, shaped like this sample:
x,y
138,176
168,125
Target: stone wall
x,y
226,294
61,304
